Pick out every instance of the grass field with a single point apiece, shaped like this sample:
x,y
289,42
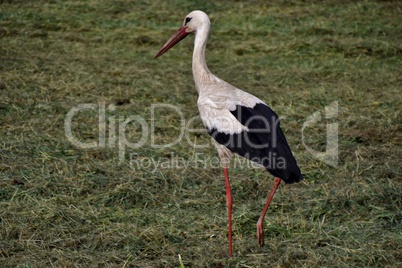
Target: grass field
x,y
113,205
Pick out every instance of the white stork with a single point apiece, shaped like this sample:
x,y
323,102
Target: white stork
x,y
237,121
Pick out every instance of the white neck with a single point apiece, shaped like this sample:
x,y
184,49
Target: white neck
x,y
201,72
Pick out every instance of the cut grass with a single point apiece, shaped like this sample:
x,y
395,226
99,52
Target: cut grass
x,y
63,206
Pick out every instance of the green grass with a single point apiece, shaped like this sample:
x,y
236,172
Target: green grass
x,y
63,206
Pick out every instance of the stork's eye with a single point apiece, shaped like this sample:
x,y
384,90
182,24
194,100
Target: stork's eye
x,y
188,19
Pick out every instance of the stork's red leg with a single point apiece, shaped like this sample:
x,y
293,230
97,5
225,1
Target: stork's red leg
x,y
260,228
229,205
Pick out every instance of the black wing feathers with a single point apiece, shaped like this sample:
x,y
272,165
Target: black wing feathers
x,y
264,142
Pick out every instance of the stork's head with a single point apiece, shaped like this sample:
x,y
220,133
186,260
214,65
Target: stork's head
x,y
194,21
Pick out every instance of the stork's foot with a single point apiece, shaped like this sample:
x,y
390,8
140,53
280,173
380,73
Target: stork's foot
x,y
260,233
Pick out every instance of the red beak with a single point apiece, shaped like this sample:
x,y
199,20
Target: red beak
x,y
179,35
